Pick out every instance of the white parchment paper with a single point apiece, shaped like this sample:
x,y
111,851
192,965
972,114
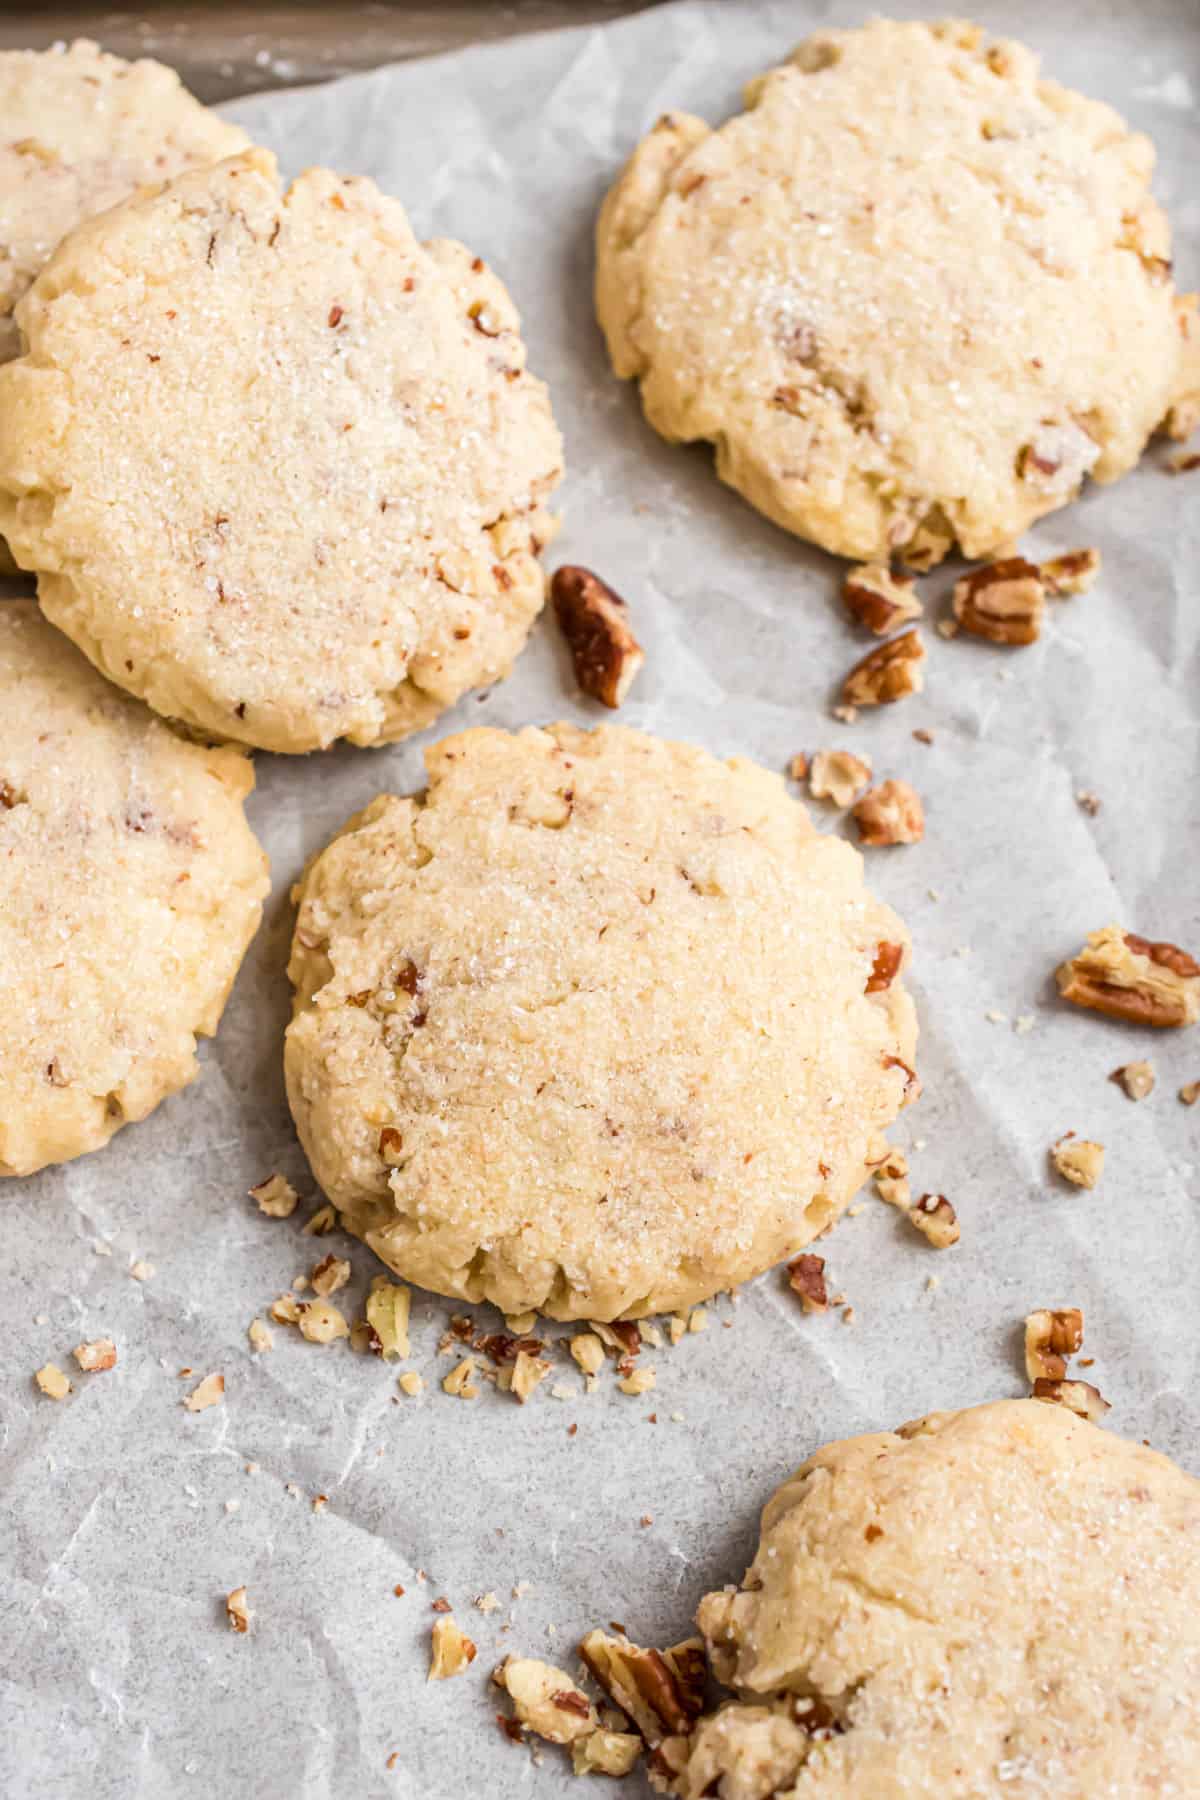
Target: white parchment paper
x,y
125,1519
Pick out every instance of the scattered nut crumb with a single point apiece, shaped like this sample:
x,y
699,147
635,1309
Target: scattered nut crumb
x,y
1079,1396
881,601
947,628
546,1700
527,1372
141,1270
887,673
237,1611
285,1310
1182,462
890,814
52,1382
806,1277
798,766
459,1382
1137,1078
1189,1093
1073,572
320,1502
1051,1339
595,622
922,735
838,775
638,1381
1088,802
1078,1160
451,1651
936,1220
322,1323
487,1603
1003,601
101,1353
846,714
211,1392
330,1274
1129,977
260,1335
388,1307
410,1382
1024,1023
323,1221
276,1197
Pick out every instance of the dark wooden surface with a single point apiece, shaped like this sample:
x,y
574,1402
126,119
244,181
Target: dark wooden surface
x,y
237,49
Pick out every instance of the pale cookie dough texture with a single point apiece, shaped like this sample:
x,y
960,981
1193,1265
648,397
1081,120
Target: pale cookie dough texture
x,y
913,295
996,1604
130,886
81,131
584,1028
278,465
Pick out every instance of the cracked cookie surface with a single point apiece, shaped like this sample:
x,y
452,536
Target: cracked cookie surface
x,y
130,886
585,1029
913,295
1003,1601
82,130
279,466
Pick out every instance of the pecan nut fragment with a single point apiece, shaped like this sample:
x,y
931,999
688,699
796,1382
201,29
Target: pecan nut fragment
x,y
1137,1078
885,968
661,1691
837,775
887,673
595,622
806,1277
1078,1396
1071,573
1002,602
1051,1339
546,1700
1078,1160
936,1220
1057,458
881,601
891,813
450,1651
1129,977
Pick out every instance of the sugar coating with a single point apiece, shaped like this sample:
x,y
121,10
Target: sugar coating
x,y
130,885
1003,1601
913,295
82,130
278,465
584,1029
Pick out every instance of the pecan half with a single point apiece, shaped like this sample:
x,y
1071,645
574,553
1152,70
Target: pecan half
x,y
595,622
1002,602
1071,573
1051,1339
936,1220
1078,1396
837,775
1129,977
885,968
880,600
661,1691
887,673
806,1277
890,814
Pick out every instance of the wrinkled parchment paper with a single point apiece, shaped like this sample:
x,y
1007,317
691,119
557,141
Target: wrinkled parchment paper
x,y
125,1520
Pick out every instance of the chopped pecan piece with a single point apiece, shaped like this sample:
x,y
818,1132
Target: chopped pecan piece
x,y
321,1323
210,1392
1189,1093
52,1382
605,1753
330,1274
885,968
935,1219
100,1354
1003,601
1137,1078
546,1700
588,1352
887,673
387,1310
880,600
838,775
276,1197
1128,977
595,622
527,1372
237,1610
1051,1339
1079,1396
451,1650
1071,573
661,1691
806,1277
890,814
1078,1160
1183,462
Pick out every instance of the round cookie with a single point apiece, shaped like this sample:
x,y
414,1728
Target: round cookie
x,y
913,295
597,1026
279,466
130,886
82,130
1000,1602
